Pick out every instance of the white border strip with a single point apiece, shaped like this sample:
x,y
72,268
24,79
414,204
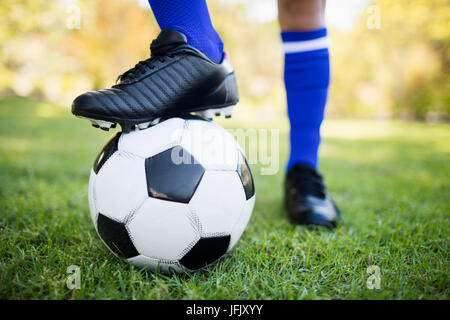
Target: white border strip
x,y
308,45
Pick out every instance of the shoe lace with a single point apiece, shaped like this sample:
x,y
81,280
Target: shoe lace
x,y
159,51
306,180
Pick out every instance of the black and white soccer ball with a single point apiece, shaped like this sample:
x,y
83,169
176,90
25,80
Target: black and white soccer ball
x,y
174,197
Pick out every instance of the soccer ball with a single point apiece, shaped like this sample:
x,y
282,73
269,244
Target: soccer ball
x,y
174,197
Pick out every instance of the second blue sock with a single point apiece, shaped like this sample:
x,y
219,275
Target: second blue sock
x,y
306,77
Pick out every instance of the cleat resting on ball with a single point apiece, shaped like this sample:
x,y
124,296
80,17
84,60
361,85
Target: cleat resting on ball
x,y
176,79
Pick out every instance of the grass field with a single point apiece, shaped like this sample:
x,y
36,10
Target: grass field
x,y
391,180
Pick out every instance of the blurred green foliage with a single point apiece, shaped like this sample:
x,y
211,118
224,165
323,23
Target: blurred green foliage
x,y
399,70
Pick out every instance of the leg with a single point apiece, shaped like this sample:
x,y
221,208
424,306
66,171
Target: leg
x,y
192,19
306,76
301,15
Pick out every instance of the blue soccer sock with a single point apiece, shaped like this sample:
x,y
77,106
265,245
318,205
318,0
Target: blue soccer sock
x,y
192,19
306,77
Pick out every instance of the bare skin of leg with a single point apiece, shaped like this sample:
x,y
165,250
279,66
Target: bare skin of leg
x,y
301,15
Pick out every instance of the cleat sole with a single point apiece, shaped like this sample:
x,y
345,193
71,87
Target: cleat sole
x,y
207,114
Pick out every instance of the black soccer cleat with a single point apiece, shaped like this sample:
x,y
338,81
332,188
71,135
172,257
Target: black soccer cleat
x,y
176,79
306,198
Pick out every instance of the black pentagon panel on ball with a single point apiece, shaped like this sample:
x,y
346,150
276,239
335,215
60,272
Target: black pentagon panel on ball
x,y
245,174
205,251
108,149
116,237
173,175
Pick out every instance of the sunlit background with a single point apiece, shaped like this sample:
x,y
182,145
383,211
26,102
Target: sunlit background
x,y
390,59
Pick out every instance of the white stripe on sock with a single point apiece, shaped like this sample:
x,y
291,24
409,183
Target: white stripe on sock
x,y
308,45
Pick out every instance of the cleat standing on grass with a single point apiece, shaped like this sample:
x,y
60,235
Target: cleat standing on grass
x,y
176,79
306,198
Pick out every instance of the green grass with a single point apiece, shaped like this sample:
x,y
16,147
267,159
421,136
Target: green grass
x,y
391,180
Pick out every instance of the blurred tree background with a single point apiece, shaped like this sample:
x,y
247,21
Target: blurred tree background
x,y
57,49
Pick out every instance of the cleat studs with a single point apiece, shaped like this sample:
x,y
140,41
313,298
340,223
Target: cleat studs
x,y
217,112
208,114
94,124
105,125
142,126
156,121
101,124
228,111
